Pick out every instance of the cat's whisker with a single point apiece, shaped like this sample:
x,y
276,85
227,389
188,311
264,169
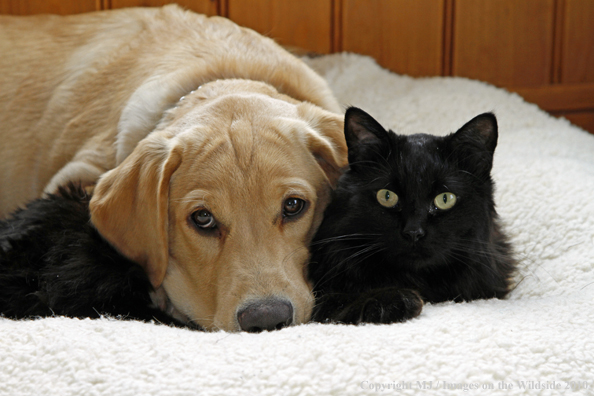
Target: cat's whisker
x,y
462,258
470,174
338,269
480,251
348,237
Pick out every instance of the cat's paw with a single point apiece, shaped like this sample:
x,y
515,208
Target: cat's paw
x,y
387,305
390,305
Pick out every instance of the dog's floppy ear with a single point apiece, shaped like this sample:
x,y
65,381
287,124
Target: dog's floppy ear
x,y
130,204
326,140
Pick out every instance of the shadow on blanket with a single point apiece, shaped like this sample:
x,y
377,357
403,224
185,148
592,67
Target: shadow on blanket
x,y
54,262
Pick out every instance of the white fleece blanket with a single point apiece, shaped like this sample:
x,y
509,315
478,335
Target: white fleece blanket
x,y
539,341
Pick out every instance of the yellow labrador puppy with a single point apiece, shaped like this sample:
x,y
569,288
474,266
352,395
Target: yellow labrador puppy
x,y
212,149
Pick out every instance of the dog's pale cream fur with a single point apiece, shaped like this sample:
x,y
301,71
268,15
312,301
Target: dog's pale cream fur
x,y
171,112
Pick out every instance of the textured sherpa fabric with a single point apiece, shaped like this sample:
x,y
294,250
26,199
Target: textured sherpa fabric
x,y
538,342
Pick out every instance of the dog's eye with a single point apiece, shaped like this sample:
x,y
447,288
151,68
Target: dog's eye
x,y
293,206
203,219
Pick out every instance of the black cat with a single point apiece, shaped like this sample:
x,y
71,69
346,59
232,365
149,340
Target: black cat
x,y
412,220
54,262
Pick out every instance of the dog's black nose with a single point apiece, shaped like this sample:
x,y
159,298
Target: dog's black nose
x,y
266,314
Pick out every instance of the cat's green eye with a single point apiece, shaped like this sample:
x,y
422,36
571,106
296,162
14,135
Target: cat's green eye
x,y
445,201
387,198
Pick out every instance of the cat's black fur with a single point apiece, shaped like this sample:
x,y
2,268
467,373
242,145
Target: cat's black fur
x,y
372,263
54,262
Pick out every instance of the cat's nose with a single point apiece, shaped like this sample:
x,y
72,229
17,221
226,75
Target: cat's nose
x,y
414,234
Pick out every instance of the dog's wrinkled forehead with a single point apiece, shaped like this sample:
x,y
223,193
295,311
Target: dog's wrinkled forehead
x,y
242,120
199,114
241,137
224,98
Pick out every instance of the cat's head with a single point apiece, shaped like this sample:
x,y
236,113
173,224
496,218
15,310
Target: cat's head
x,y
420,199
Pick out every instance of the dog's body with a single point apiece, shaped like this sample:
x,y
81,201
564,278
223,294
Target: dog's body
x,y
213,149
54,262
79,92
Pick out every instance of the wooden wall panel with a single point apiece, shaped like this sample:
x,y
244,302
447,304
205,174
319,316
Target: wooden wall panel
x,y
30,7
542,49
577,43
560,97
208,7
505,42
384,30
306,24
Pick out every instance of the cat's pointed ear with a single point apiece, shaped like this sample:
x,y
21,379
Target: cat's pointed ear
x,y
481,131
362,132
475,143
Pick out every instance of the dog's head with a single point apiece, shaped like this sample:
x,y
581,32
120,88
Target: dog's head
x,y
221,201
